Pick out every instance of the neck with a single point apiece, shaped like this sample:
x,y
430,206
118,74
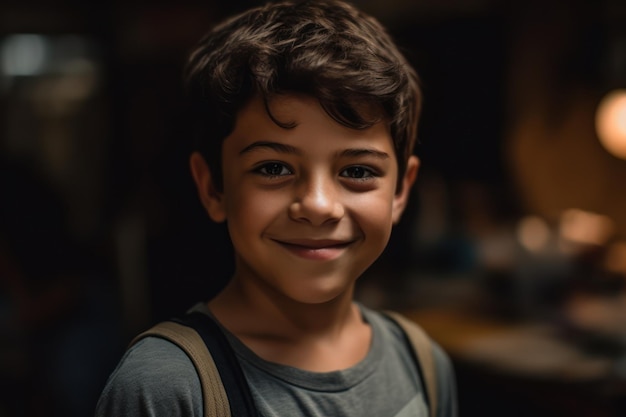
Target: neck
x,y
245,308
318,337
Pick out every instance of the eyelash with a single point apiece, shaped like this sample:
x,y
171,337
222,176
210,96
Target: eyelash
x,y
368,173
262,169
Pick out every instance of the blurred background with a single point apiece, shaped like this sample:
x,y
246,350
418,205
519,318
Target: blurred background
x,y
512,253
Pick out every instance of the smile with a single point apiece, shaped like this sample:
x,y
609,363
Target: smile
x,y
317,250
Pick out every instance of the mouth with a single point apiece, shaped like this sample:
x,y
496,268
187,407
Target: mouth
x,y
312,249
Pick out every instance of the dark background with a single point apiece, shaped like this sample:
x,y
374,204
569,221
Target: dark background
x,y
102,234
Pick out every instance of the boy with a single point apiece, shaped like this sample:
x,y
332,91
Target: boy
x,y
307,116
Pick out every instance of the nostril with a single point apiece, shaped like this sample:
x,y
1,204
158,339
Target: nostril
x,y
316,210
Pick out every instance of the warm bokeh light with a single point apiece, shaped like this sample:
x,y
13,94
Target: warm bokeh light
x,y
533,233
584,227
611,123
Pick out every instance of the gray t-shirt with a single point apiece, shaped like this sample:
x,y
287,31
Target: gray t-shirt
x,y
156,378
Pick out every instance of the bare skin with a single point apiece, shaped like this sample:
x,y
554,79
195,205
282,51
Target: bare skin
x,y
308,210
320,338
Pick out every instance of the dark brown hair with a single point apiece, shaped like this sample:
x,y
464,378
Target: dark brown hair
x,y
323,48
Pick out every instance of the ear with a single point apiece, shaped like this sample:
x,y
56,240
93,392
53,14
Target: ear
x,y
211,199
401,198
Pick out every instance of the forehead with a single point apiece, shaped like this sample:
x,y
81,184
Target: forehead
x,y
286,111
301,117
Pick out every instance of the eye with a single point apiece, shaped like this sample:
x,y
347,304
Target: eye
x,y
357,172
273,169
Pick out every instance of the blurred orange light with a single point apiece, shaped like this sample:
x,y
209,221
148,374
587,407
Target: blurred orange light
x,y
611,123
585,227
533,233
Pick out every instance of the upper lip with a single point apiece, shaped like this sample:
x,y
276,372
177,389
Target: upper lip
x,y
314,243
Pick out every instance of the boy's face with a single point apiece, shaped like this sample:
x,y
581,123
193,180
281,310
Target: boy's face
x,y
309,208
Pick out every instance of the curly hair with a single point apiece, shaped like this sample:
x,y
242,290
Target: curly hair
x,y
326,49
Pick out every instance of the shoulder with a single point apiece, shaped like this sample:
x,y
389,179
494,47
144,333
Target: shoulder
x,y
155,377
444,371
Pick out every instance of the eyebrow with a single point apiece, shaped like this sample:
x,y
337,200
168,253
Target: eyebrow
x,y
365,152
278,147
288,149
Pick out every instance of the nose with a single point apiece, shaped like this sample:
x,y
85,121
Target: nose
x,y
317,201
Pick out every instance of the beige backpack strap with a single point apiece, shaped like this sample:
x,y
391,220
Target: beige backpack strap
x,y
213,393
423,349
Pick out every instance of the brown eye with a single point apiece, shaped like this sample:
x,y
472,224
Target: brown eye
x,y
274,169
357,172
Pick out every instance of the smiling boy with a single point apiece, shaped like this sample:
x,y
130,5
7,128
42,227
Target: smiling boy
x,y
308,209
306,115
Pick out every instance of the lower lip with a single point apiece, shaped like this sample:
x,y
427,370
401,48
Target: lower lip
x,y
315,254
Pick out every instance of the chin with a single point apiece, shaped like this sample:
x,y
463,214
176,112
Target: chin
x,y
320,295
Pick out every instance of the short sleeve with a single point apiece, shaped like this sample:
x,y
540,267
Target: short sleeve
x,y
155,378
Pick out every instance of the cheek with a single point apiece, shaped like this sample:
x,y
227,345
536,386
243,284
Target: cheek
x,y
374,215
251,209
